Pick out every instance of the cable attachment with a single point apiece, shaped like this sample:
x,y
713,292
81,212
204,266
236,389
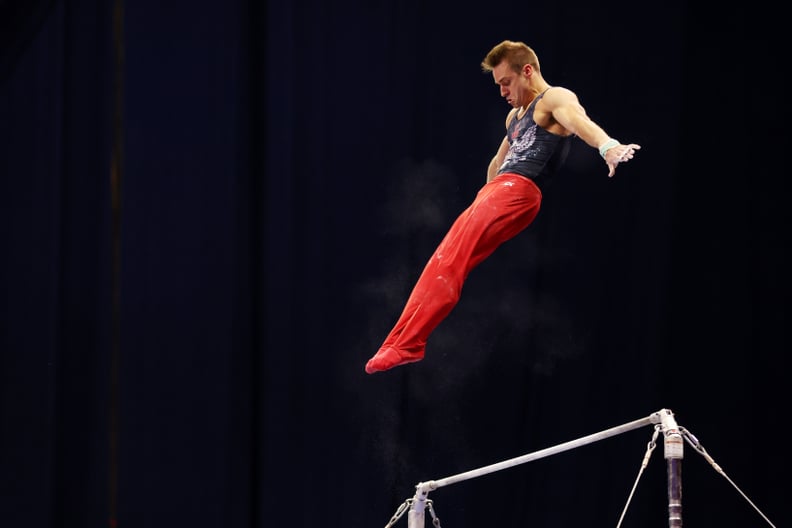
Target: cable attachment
x,y
695,444
405,506
650,446
435,518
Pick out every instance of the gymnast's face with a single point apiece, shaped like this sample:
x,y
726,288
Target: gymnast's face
x,y
514,86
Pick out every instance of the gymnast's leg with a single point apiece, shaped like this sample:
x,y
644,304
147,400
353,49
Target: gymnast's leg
x,y
502,208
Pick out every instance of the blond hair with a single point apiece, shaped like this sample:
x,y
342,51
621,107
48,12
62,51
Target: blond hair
x,y
517,54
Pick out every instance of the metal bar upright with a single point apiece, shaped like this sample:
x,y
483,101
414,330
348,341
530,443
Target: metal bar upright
x,y
673,449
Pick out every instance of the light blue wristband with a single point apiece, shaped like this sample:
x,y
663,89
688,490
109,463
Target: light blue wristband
x,y
605,147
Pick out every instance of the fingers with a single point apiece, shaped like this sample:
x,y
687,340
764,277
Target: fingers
x,y
626,153
620,154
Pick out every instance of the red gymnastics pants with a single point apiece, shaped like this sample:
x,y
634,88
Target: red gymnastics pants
x,y
502,208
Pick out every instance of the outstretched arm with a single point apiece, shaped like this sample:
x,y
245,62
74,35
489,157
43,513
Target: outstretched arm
x,y
569,113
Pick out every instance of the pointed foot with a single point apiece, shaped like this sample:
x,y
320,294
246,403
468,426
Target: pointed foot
x,y
389,357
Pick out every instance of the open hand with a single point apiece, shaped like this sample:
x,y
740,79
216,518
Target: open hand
x,y
619,154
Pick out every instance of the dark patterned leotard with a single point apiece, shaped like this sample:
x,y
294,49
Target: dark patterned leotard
x,y
533,152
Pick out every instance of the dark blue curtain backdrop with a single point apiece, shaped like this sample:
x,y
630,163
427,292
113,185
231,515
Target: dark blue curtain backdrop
x,y
212,213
